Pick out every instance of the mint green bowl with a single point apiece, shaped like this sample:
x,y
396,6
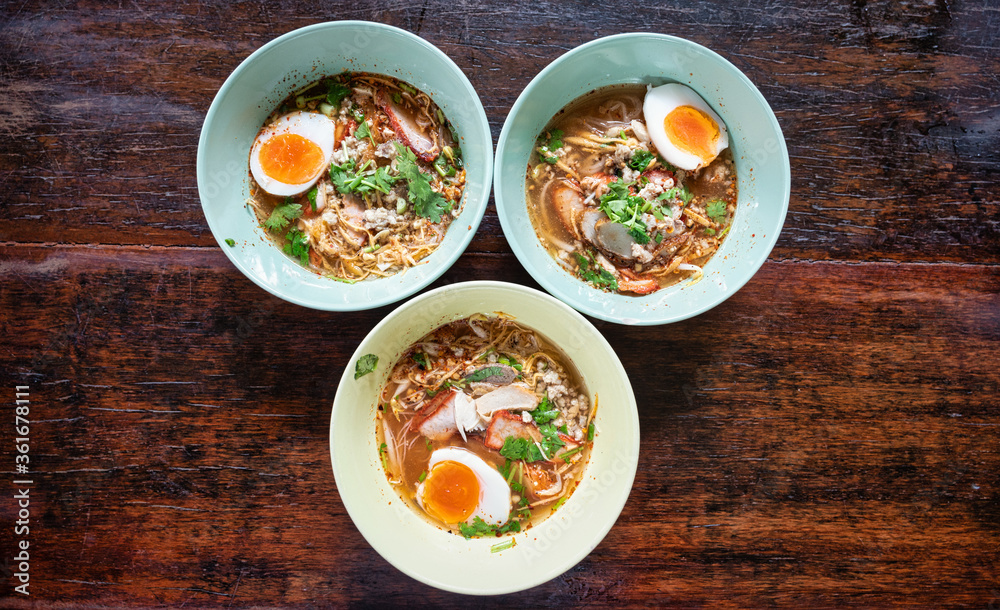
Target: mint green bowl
x,y
445,560
755,138
288,63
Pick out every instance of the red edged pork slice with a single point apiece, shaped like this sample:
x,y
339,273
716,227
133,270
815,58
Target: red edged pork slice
x,y
437,420
567,201
404,123
506,424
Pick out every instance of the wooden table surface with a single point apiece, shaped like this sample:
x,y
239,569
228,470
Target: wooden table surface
x,y
827,437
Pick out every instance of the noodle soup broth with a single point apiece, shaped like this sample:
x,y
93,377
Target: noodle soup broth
x,y
484,427
357,176
609,207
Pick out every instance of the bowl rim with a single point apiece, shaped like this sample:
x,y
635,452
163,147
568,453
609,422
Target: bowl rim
x,y
471,215
583,545
504,208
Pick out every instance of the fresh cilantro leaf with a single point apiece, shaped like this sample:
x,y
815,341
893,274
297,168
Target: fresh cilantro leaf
x,y
626,209
640,160
512,363
594,273
512,525
716,210
427,203
442,167
382,180
348,178
311,195
617,190
363,132
677,192
515,448
336,92
230,242
477,528
550,439
555,139
544,412
548,145
365,364
547,155
342,176
639,234
709,231
421,359
282,215
297,246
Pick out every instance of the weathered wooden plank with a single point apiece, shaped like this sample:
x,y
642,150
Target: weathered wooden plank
x,y
800,447
889,110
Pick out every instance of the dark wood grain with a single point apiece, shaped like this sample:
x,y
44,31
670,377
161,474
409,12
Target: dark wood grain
x,y
827,437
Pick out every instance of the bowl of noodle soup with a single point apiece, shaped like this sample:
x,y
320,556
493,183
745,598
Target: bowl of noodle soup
x,y
565,532
638,239
394,196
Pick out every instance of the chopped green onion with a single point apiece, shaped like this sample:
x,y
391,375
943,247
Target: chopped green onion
x,y
382,451
503,546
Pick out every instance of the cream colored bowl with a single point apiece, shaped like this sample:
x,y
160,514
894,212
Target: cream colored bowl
x,y
445,560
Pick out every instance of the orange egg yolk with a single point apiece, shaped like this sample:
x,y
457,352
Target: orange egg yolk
x,y
290,158
451,491
692,131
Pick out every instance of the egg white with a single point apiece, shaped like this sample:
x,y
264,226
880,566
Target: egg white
x,y
494,493
315,127
658,104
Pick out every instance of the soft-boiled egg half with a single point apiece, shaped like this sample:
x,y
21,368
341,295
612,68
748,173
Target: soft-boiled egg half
x,y
460,486
290,154
685,131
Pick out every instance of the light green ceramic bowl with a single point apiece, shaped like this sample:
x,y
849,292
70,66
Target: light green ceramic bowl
x,y
443,559
755,138
288,63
